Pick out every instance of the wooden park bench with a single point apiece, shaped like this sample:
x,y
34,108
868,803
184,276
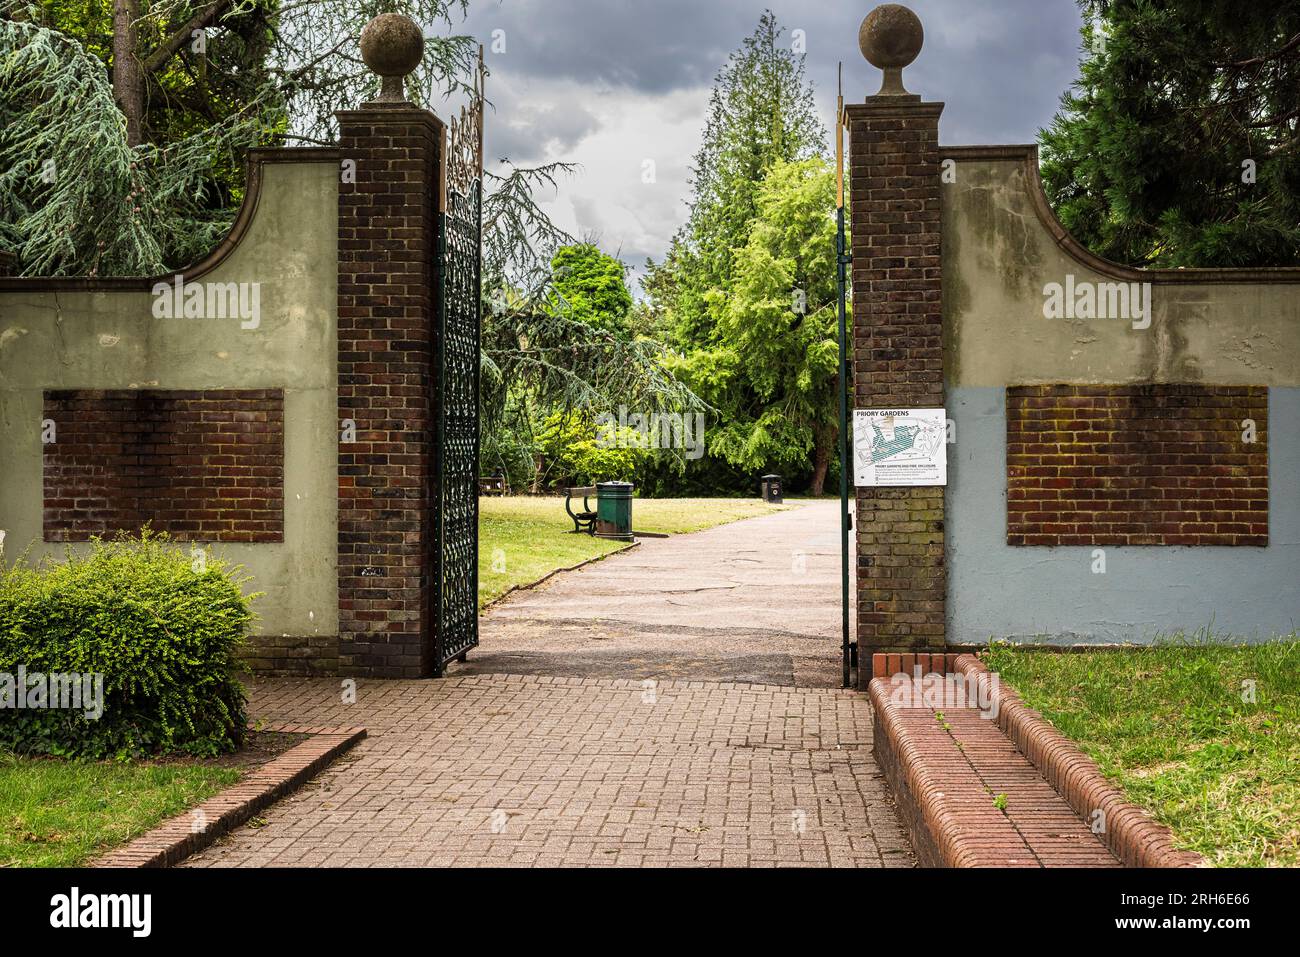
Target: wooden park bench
x,y
492,485
585,520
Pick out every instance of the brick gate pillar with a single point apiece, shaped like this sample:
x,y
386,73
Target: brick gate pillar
x,y
897,337
392,158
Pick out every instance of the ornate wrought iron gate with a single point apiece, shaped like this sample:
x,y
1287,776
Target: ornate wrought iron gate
x,y
456,408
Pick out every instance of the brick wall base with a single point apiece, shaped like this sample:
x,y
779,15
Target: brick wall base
x,y
293,656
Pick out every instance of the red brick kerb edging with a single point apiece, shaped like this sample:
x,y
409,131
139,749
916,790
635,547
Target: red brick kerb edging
x,y
1130,833
982,781
190,832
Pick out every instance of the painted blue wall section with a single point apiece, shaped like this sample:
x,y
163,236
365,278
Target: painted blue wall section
x,y
1046,594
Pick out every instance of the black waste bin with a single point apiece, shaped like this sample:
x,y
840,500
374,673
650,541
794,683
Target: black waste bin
x,y
614,510
772,489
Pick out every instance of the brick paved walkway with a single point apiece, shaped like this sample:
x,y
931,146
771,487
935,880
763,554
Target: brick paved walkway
x,y
576,762
531,770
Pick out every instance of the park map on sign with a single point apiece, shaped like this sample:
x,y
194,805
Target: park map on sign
x,y
899,447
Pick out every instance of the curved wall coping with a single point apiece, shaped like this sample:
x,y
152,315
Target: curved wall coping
x,y
1028,155
257,159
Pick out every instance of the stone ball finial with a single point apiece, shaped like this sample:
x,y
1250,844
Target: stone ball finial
x,y
392,45
890,38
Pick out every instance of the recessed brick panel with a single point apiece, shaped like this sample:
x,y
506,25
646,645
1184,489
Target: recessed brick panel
x,y
201,466
1136,465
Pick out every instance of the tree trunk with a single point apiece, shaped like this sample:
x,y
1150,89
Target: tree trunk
x,y
823,441
128,78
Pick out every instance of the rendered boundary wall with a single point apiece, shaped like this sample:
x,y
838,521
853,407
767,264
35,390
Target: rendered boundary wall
x,y
1147,479
58,335
1211,334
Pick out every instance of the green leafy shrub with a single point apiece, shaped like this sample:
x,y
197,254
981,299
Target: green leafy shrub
x,y
161,627
579,452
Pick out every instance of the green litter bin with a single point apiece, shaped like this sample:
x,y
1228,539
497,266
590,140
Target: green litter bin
x,y
614,510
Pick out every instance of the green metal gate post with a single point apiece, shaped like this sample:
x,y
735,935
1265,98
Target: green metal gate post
x,y
846,461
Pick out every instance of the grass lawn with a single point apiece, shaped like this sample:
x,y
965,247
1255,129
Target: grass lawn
x,y
522,538
62,813
1169,725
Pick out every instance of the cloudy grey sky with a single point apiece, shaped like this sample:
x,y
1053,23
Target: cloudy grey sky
x,y
610,84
